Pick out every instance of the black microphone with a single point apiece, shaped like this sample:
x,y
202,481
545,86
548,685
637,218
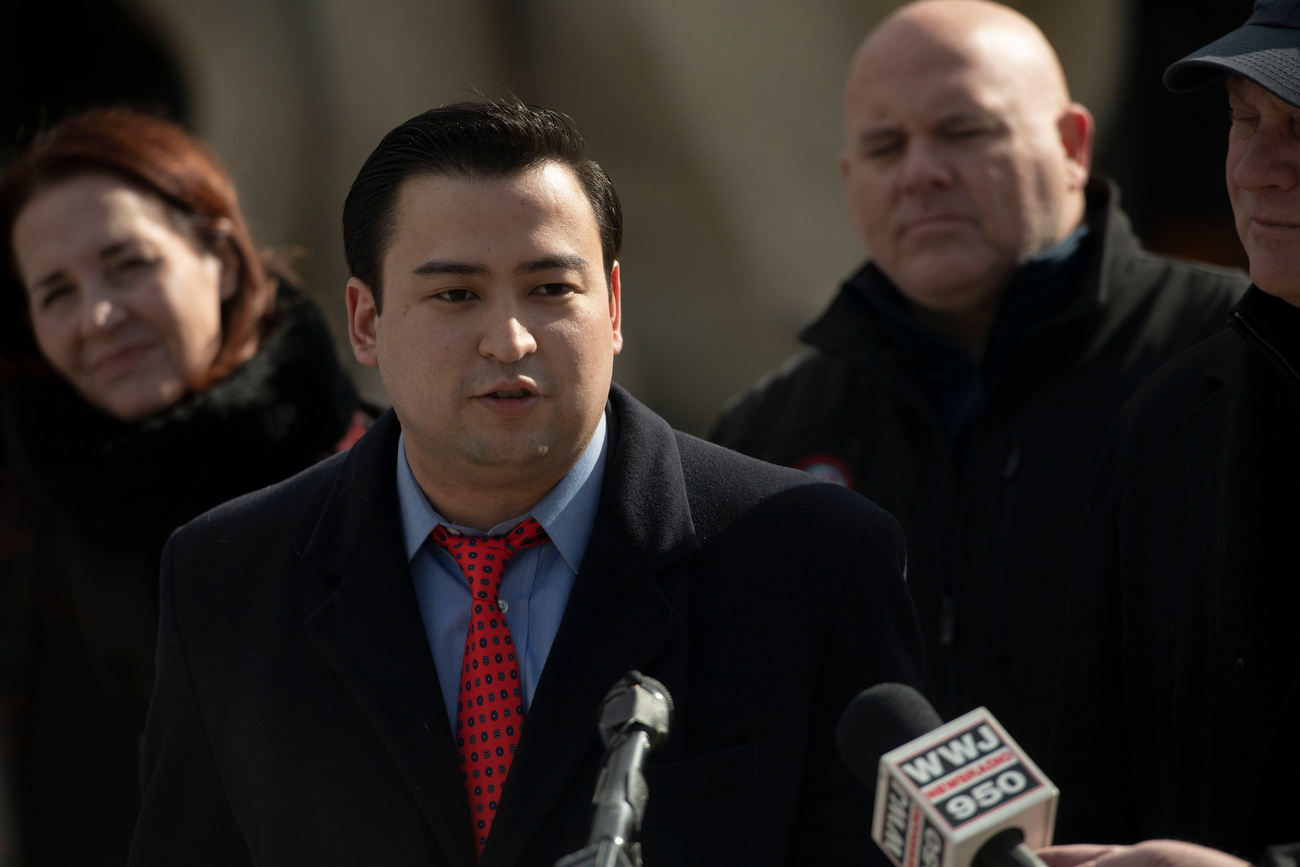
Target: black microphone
x,y
960,794
634,720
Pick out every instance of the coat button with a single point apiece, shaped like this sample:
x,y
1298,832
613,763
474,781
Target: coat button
x,y
1239,666
501,603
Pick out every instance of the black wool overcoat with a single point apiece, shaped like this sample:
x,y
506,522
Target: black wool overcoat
x,y
298,717
1167,724
989,541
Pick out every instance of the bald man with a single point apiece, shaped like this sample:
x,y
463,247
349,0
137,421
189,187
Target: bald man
x,y
966,376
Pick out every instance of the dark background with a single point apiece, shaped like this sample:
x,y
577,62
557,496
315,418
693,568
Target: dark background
x,y
719,119
1166,150
62,56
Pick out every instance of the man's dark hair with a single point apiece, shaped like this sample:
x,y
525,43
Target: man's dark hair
x,y
471,140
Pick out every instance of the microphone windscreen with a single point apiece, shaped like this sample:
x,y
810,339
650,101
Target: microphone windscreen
x,y
880,719
655,686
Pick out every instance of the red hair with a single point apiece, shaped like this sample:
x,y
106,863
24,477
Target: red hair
x,y
158,157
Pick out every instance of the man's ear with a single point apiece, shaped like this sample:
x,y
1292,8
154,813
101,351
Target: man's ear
x,y
1077,128
363,323
616,306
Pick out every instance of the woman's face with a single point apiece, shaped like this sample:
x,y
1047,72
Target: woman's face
x,y
124,303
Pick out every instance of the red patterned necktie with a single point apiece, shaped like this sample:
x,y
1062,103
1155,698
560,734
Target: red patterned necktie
x,y
490,710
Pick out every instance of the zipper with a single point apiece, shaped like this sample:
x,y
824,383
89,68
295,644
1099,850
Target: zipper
x,y
1236,314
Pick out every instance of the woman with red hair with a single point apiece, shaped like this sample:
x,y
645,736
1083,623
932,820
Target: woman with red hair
x,y
153,369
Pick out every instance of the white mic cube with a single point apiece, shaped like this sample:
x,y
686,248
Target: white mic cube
x,y
941,796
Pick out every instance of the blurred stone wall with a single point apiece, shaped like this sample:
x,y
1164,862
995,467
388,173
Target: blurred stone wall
x,y
718,120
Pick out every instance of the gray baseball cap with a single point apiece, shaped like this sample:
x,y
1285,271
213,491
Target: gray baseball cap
x,y
1266,50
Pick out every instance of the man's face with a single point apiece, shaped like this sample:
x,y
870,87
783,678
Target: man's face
x,y
955,173
498,333
1263,174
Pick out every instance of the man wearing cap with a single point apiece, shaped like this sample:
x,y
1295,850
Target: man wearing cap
x,y
966,376
1179,706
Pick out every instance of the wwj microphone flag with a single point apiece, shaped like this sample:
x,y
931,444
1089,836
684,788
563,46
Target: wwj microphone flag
x,y
940,797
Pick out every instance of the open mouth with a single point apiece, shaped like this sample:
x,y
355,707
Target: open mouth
x,y
509,402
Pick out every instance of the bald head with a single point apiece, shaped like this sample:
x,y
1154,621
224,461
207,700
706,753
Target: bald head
x,y
964,154
989,39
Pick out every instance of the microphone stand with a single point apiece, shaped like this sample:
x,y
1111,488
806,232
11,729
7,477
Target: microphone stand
x,y
634,720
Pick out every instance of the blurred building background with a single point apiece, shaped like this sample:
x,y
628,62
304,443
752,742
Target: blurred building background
x,y
719,121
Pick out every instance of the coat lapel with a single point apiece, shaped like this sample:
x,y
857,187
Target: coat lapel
x,y
1225,486
370,632
617,619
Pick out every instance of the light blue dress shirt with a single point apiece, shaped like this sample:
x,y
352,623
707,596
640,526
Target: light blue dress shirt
x,y
535,588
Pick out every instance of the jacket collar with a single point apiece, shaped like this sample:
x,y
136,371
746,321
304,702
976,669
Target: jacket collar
x,y
1119,246
645,493
1272,327
617,618
839,331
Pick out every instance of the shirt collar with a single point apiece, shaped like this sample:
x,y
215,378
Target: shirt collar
x,y
567,512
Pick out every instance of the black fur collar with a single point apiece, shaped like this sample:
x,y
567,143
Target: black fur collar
x,y
277,414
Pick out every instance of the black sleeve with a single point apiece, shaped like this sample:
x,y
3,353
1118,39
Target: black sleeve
x,y
185,817
876,639
1089,755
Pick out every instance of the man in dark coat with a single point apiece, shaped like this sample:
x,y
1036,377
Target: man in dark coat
x,y
1179,701
327,645
966,376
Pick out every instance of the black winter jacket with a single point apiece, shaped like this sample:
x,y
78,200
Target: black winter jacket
x,y
86,504
989,545
1179,705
